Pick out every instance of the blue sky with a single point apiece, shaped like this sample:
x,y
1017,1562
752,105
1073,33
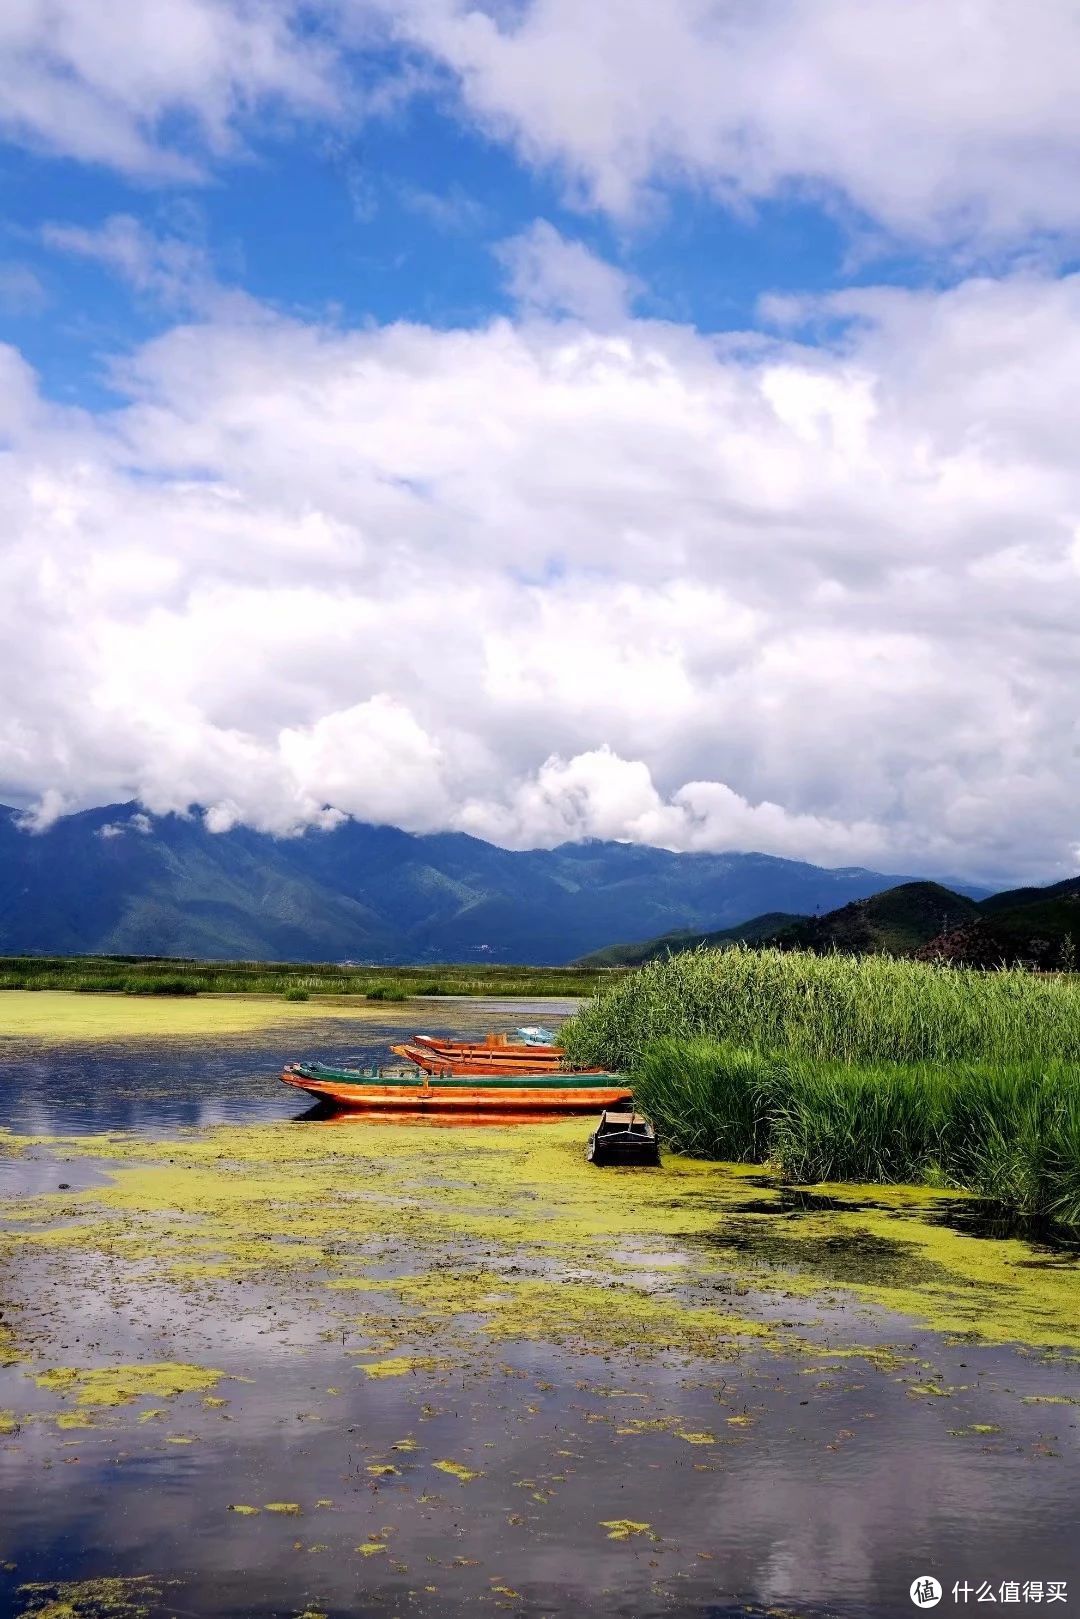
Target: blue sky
x,y
632,422
398,221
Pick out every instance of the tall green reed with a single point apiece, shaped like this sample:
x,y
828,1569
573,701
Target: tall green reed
x,y
865,1009
1008,1131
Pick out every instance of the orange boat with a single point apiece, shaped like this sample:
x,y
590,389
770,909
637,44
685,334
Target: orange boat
x,y
497,1060
494,1055
544,1094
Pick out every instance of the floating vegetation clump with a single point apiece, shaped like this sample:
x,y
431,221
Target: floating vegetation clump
x,y
457,1470
123,1598
121,1385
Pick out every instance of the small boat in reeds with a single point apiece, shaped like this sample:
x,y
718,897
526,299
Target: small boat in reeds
x,y
417,1091
623,1138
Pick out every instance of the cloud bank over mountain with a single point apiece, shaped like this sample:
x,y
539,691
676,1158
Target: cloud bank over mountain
x,y
535,581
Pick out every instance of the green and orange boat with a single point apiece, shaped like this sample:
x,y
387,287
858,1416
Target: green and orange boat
x,y
415,1090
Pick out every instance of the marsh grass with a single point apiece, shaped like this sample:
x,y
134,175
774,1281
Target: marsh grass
x,y
151,984
1009,1132
866,1009
133,975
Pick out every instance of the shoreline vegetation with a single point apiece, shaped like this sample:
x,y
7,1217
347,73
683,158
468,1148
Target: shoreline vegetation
x,y
295,981
857,1069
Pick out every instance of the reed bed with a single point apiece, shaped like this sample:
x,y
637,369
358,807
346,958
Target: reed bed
x,y
1010,1131
869,1009
132,975
855,1069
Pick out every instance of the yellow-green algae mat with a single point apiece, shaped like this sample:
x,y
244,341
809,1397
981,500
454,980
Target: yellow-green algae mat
x,y
57,1017
466,1235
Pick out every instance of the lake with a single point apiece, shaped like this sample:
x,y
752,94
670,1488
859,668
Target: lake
x,y
259,1362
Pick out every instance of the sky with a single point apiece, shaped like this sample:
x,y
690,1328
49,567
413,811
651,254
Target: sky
x,y
546,421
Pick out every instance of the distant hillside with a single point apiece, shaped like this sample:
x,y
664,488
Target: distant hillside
x,y
633,955
117,880
1038,927
896,922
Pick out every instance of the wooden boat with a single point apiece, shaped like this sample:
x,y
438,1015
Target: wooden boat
x,y
415,1090
495,1055
476,1061
623,1138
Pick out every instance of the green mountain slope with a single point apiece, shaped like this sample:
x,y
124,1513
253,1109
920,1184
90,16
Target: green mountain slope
x,y
633,955
895,922
1039,927
118,880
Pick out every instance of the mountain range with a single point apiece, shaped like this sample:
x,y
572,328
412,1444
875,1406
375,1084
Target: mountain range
x,y
1038,927
117,880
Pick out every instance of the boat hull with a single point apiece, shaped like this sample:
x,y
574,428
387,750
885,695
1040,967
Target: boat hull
x,y
540,1095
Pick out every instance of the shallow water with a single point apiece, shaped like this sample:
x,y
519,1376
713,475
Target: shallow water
x,y
519,1359
155,1086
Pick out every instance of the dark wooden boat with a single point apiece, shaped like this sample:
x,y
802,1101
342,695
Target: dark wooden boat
x,y
415,1091
623,1138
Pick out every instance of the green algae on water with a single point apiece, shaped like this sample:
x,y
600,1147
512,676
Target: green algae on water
x,y
603,1261
120,1598
121,1385
624,1528
457,1470
56,1017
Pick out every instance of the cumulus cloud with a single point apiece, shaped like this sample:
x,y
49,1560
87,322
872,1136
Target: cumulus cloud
x,y
537,580
942,124
158,88
939,122
550,274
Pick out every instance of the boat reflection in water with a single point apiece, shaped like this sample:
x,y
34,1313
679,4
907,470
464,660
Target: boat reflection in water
x,y
325,1114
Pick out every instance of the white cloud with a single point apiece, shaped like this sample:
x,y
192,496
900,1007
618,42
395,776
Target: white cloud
x,y
947,124
168,267
939,121
117,84
45,812
549,274
135,823
542,581
451,209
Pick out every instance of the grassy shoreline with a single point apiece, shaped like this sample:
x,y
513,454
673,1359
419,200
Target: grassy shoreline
x,y
135,975
867,1069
